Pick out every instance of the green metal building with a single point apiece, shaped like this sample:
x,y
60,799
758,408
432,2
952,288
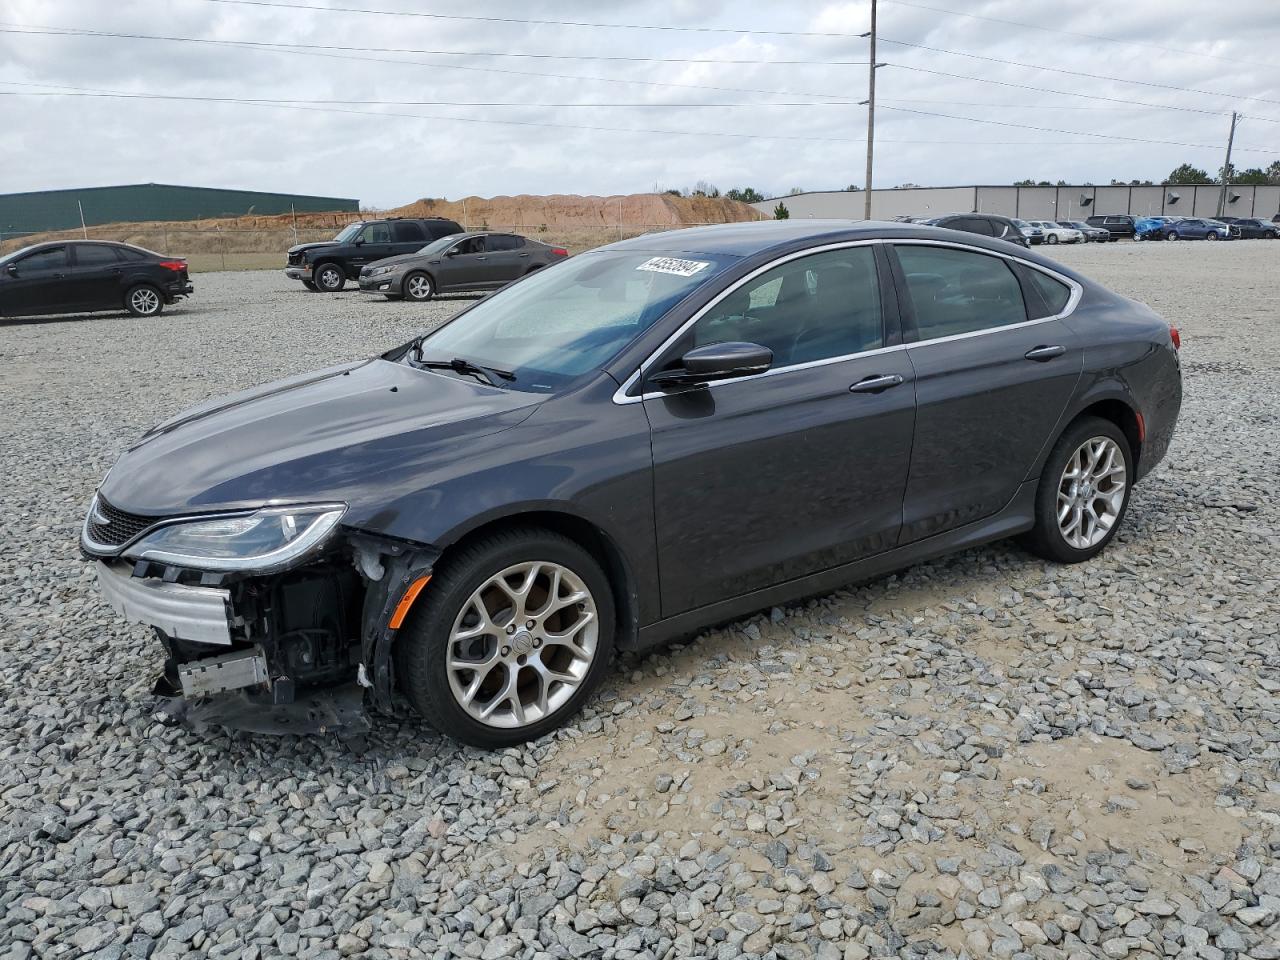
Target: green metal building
x,y
35,212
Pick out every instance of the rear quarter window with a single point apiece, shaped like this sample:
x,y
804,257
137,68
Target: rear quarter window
x,y
1055,293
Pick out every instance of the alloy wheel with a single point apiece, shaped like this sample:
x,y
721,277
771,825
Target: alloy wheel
x,y
522,644
328,278
1091,492
144,301
419,287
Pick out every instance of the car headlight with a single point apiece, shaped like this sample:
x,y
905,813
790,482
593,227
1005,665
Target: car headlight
x,y
263,541
379,271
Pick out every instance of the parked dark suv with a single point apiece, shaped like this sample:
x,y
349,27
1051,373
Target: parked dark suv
x,y
1117,224
984,225
328,265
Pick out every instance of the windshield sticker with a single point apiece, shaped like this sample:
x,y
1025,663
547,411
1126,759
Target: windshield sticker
x,y
673,265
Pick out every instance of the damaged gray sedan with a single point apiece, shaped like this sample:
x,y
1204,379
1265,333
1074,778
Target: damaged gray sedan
x,y
633,444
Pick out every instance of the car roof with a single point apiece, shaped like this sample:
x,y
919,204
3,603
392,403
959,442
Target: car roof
x,y
779,236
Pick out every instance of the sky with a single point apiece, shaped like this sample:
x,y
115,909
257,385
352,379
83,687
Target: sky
x,y
487,123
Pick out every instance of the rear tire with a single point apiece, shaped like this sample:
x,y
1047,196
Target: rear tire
x,y
1090,465
144,300
329,278
478,608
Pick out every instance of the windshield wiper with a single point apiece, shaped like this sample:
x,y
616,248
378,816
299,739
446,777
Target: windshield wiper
x,y
490,375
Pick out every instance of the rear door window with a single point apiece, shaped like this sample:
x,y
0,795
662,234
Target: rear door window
x,y
407,231
979,225
93,255
954,292
503,241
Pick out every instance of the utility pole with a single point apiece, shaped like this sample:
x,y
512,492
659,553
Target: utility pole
x,y
871,114
1226,168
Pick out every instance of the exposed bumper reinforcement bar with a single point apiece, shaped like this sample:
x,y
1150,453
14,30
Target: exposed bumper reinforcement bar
x,y
245,668
198,614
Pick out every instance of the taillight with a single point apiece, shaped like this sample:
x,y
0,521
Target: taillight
x,y
559,251
177,266
1175,337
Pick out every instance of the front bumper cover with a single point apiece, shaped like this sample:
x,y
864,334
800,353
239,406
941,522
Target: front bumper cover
x,y
197,614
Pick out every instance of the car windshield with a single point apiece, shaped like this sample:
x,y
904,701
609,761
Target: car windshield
x,y
349,231
439,246
565,320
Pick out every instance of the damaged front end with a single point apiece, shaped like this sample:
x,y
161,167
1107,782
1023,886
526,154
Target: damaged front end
x,y
274,620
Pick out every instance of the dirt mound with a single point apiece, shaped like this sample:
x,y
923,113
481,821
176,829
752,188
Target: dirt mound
x,y
561,210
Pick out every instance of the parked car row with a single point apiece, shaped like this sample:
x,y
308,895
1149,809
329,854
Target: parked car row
x,y
1200,228
416,258
1105,227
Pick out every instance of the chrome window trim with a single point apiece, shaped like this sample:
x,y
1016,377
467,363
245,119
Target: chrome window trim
x,y
621,395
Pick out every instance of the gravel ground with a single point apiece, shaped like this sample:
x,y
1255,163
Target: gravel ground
x,y
981,756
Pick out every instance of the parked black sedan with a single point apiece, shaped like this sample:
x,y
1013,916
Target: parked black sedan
x,y
464,261
654,436
89,275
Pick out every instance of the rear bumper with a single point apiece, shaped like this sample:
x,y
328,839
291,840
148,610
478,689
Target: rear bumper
x,y
197,614
181,288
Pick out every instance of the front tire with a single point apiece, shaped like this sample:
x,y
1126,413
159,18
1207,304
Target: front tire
x,y
418,287
1083,492
144,300
1211,235
329,278
509,639
1171,235
1051,239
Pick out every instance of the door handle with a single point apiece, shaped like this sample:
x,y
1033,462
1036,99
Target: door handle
x,y
524,254
482,258
1041,354
59,276
876,384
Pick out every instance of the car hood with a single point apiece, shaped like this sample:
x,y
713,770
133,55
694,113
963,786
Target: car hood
x,y
299,247
358,433
394,261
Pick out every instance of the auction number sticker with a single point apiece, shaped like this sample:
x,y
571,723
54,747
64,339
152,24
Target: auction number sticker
x,y
673,265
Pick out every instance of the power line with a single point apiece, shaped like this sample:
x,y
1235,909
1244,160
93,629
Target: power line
x,y
1066,93
501,70
1077,133
318,50
1073,33
284,104
528,21
1074,73
408,103
1056,106
55,31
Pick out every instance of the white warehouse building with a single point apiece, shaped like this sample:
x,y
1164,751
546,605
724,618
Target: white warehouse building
x,y
1033,203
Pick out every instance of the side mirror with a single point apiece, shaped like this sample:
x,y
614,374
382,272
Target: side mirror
x,y
358,241
452,252
716,361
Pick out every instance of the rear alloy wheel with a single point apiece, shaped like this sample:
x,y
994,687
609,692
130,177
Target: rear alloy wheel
x,y
329,278
144,300
417,287
509,639
1083,492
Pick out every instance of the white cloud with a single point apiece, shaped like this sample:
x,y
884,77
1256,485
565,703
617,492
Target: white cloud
x,y
388,159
